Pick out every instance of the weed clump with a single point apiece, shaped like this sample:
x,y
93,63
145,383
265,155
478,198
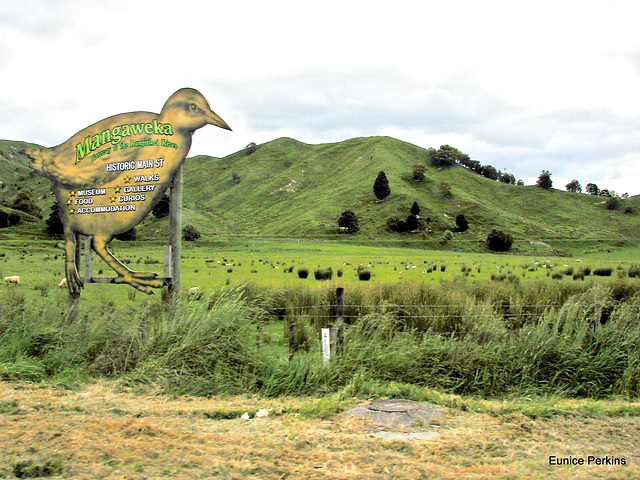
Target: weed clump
x,y
603,271
323,273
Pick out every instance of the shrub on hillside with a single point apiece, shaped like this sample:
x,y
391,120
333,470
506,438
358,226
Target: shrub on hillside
x,y
381,186
544,180
348,222
396,225
190,233
498,241
9,219
612,203
26,204
162,208
462,225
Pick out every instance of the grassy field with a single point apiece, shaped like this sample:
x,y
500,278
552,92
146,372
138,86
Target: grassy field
x,y
275,264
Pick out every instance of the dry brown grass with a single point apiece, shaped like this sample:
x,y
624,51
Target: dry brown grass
x,y
100,433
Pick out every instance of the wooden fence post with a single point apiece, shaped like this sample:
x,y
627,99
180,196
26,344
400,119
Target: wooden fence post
x,y
175,236
339,327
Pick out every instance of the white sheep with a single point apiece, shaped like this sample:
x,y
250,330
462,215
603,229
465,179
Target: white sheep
x,y
12,279
63,282
195,292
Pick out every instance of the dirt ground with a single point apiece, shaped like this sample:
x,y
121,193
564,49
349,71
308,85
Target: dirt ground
x,y
100,433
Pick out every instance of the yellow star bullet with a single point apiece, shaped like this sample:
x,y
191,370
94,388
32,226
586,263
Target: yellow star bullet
x,y
72,211
72,193
117,189
69,202
113,199
127,179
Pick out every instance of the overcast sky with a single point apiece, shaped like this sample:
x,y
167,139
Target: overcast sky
x,y
520,85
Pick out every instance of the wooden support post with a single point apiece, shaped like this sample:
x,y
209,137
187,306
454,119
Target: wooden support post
x,y
339,328
87,260
175,235
168,270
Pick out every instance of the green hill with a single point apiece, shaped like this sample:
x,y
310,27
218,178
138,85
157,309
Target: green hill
x,y
294,190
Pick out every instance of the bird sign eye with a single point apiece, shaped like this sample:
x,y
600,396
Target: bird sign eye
x,y
193,108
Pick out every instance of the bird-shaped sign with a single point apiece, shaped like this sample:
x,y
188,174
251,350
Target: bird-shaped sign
x,y
109,176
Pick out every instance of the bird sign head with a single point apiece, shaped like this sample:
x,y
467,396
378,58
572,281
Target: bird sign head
x,y
187,109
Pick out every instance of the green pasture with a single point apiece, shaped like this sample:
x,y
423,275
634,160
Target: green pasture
x,y
210,266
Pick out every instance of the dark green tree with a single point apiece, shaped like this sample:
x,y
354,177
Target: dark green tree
x,y
508,178
445,156
544,180
412,223
573,186
498,241
592,189
26,204
462,225
381,186
415,209
348,222
162,208
489,171
54,222
251,148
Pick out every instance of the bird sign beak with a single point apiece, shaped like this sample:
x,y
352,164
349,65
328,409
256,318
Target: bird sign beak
x,y
214,119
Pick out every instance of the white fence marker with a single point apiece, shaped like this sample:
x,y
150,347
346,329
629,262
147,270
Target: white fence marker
x,y
326,345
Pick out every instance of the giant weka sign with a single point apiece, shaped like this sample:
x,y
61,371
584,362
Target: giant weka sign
x,y
109,176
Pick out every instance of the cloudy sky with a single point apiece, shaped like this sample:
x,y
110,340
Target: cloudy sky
x,y
521,85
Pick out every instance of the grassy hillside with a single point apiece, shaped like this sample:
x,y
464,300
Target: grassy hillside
x,y
291,189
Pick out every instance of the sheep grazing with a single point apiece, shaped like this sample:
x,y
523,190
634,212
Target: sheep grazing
x,y
12,279
195,293
63,282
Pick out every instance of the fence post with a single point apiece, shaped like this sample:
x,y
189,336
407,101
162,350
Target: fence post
x,y
175,237
339,327
325,336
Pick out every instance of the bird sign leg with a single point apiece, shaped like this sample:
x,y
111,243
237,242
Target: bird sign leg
x,y
74,284
142,281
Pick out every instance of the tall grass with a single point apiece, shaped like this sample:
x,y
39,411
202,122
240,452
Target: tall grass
x,y
492,339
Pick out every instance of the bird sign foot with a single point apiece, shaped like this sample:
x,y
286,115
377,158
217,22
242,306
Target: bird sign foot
x,y
143,284
144,275
74,283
